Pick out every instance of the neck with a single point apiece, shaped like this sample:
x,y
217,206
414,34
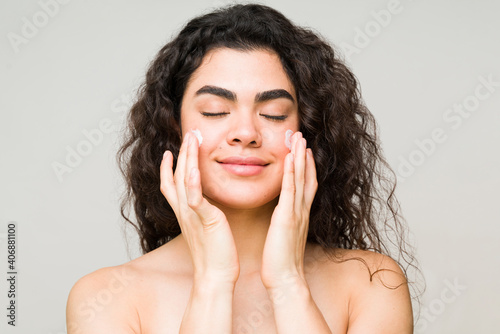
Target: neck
x,y
250,227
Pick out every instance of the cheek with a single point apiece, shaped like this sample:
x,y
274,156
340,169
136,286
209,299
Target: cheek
x,y
211,139
209,148
277,139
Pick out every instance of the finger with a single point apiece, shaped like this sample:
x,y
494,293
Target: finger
x,y
311,183
295,137
192,178
191,157
209,214
299,177
167,184
180,172
194,194
287,195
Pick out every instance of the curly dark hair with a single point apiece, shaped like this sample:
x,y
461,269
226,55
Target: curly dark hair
x,y
354,207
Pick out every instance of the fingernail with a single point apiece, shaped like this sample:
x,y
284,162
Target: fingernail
x,y
309,153
165,154
189,139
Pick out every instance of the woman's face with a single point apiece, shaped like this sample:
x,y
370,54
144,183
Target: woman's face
x,y
242,103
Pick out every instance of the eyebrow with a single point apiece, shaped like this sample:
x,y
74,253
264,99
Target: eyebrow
x,y
217,91
272,95
231,96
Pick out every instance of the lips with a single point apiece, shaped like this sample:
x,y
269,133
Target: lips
x,y
243,161
243,166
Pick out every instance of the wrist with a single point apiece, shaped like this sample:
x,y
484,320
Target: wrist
x,y
284,279
216,277
290,290
210,285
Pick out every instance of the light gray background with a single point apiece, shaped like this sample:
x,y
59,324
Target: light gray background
x,y
81,66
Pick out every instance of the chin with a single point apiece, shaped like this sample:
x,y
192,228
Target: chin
x,y
241,200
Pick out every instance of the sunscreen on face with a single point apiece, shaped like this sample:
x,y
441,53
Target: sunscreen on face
x,y
288,141
197,133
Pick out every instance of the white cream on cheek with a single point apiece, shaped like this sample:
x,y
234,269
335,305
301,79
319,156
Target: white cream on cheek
x,y
197,133
288,137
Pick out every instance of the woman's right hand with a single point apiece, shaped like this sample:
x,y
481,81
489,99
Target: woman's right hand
x,y
203,225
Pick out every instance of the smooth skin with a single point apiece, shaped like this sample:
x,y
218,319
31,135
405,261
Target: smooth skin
x,y
207,231
241,263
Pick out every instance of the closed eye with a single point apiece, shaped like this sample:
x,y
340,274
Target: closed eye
x,y
216,114
220,114
275,118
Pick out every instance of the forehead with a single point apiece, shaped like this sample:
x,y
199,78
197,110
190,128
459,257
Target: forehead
x,y
252,71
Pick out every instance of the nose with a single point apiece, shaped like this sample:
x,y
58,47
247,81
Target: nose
x,y
245,130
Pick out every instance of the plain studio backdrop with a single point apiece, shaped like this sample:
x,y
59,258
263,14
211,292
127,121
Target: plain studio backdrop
x,y
429,71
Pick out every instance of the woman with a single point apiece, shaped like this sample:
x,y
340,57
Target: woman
x,y
256,177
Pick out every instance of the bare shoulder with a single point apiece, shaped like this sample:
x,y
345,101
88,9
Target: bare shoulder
x,y
101,302
379,298
376,267
119,299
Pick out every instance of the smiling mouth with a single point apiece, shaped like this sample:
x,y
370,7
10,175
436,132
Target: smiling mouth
x,y
244,161
243,169
241,164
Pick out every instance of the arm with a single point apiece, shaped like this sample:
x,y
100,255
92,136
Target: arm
x,y
283,260
295,311
374,308
209,309
210,240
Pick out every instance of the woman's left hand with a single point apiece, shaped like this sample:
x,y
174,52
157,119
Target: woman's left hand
x,y
283,257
